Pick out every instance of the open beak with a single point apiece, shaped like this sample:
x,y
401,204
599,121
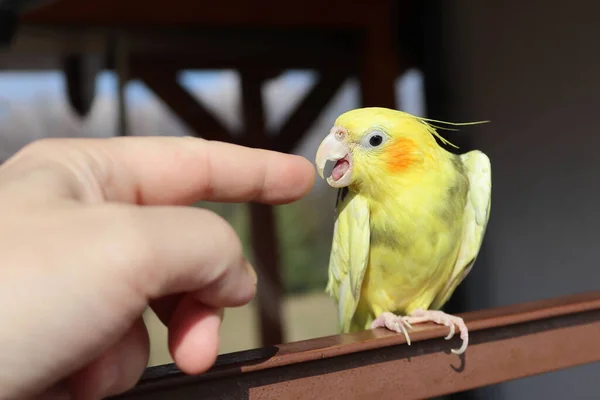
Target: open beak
x,y
334,160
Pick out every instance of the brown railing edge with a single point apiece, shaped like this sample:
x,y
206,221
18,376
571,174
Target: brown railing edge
x,y
338,345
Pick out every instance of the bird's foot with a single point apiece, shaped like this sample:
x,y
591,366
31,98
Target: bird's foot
x,y
394,323
441,318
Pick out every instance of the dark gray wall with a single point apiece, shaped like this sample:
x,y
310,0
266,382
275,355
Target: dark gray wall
x,y
533,69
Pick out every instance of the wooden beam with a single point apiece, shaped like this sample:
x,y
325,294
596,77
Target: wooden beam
x,y
263,13
506,343
121,57
247,49
9,22
309,109
200,47
379,59
80,71
265,245
253,112
263,230
164,83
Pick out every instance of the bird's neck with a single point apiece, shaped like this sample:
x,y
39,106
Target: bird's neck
x,y
421,181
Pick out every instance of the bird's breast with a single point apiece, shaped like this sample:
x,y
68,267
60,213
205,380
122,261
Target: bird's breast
x,y
412,252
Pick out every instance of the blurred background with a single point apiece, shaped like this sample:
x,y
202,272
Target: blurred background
x,y
276,75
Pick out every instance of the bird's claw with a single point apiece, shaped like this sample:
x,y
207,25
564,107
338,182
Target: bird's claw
x,y
393,323
441,318
401,323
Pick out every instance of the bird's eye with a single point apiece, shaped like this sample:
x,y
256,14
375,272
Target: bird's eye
x,y
375,140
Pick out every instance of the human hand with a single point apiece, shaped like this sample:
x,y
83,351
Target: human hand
x,y
95,230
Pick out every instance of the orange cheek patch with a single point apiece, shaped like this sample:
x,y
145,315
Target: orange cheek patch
x,y
400,155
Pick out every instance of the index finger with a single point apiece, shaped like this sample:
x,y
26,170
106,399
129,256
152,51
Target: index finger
x,y
184,170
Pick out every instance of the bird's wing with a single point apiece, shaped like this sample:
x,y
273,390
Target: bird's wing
x,y
477,212
349,254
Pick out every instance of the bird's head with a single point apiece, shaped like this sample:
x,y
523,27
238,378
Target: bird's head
x,y
367,144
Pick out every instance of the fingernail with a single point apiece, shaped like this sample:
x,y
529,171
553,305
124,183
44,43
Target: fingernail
x,y
251,271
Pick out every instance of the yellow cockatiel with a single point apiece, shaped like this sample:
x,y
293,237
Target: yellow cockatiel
x,y
410,220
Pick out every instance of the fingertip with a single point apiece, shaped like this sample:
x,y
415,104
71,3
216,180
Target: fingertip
x,y
292,180
194,336
308,171
303,162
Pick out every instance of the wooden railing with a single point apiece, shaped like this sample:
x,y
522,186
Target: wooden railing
x,y
505,343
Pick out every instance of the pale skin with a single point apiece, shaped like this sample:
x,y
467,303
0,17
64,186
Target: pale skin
x,y
95,230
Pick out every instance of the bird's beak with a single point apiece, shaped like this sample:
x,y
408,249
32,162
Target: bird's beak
x,y
334,159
